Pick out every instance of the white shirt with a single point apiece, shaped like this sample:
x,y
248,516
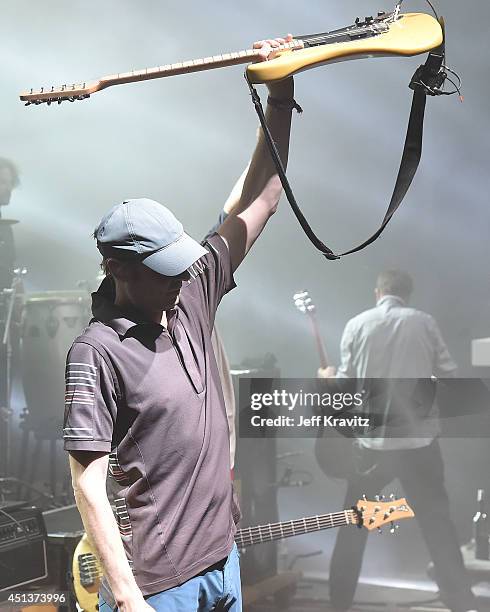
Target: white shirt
x,y
392,341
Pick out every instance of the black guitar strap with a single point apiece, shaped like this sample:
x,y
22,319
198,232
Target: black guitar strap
x,y
426,81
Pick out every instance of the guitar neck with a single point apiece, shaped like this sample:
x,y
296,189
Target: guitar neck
x,y
278,531
196,65
322,352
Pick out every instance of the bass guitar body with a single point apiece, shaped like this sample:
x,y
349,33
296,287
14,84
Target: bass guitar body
x,y
86,575
340,457
410,34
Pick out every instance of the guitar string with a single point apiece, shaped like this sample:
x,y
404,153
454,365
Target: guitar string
x,y
346,32
291,527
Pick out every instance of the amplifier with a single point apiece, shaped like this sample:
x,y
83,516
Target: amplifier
x,y
23,556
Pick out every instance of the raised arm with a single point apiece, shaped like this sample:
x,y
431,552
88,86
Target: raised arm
x,y
256,195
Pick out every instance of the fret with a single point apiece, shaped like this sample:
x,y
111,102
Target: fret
x,y
331,519
260,533
270,532
304,523
318,522
346,517
292,527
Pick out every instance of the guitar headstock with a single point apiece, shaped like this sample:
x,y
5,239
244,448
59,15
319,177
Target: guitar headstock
x,y
303,302
64,93
375,514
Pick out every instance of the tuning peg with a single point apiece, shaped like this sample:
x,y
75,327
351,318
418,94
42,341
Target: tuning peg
x,y
379,530
364,497
376,497
27,103
381,497
393,528
392,497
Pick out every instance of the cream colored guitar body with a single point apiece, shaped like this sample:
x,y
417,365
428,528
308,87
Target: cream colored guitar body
x,y
86,575
410,34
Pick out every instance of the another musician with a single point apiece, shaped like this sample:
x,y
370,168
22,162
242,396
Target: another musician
x,y
144,396
394,341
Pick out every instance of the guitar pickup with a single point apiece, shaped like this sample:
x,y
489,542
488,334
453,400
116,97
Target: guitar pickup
x,y
366,30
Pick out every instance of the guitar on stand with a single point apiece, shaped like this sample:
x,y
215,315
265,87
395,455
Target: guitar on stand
x,y
337,455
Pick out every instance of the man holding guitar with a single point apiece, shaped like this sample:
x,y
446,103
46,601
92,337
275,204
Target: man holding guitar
x,y
143,396
393,341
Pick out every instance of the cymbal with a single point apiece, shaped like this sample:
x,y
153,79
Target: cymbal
x,y
8,221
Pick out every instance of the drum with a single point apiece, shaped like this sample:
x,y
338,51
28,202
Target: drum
x,y
50,322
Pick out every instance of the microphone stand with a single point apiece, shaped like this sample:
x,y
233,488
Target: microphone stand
x,y
6,411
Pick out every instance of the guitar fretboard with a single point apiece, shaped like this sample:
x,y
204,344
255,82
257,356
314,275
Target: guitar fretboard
x,y
195,65
278,531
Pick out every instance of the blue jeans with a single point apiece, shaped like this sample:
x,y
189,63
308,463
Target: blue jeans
x,y
213,590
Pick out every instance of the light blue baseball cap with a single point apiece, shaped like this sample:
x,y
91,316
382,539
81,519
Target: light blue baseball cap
x,y
146,231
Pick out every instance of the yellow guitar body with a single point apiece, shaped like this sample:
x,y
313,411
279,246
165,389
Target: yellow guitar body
x,y
410,34
86,575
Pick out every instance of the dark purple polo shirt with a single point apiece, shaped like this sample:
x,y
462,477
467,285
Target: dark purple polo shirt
x,y
151,397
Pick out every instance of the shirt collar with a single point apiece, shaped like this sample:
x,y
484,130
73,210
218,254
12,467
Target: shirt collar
x,y
121,321
391,299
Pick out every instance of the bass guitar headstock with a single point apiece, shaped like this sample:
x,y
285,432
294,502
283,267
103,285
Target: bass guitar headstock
x,y
64,93
374,514
304,303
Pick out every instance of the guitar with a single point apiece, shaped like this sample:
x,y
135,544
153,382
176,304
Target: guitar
x,y
87,572
388,34
337,456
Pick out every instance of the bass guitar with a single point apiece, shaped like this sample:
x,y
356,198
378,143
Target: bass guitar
x,y
337,455
87,571
387,34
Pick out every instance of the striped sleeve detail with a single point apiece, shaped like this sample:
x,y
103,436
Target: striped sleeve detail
x,y
115,469
90,400
122,517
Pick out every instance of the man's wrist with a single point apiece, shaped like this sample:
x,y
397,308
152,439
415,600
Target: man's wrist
x,y
281,89
284,104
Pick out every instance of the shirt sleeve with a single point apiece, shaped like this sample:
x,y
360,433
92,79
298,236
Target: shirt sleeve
x,y
216,278
444,366
90,400
346,367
